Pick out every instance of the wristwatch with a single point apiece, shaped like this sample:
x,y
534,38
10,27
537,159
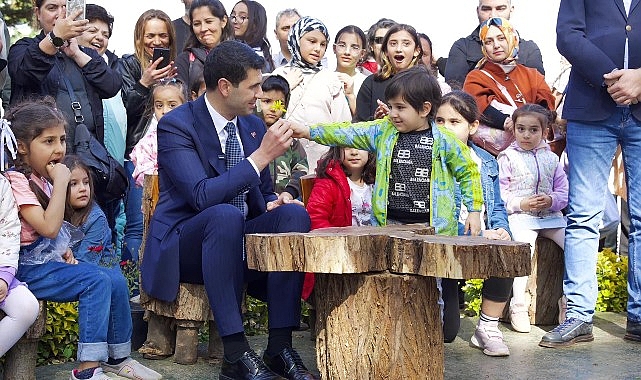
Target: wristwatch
x,y
56,41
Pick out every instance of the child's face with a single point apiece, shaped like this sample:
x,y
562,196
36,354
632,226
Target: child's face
x,y
401,50
354,160
166,98
496,45
449,118
528,131
79,190
406,118
49,146
271,114
349,50
312,46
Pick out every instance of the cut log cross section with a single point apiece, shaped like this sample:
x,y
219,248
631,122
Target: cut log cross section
x,y
376,296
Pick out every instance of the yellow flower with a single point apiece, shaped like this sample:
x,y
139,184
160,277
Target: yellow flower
x,y
278,106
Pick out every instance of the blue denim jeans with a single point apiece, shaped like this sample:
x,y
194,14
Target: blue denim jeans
x,y
133,228
104,316
591,147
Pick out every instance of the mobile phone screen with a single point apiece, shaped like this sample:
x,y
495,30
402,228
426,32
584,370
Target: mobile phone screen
x,y
161,52
74,5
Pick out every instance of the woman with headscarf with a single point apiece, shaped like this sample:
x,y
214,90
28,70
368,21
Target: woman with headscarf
x,y
500,84
317,94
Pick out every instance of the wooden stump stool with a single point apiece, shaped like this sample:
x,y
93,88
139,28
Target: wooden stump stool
x,y
20,360
545,284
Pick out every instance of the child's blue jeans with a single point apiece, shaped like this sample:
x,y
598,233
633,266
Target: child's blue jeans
x,y
104,316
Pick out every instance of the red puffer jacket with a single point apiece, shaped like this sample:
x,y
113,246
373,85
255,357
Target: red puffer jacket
x,y
329,204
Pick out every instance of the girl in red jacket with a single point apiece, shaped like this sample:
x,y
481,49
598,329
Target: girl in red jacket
x,y
342,192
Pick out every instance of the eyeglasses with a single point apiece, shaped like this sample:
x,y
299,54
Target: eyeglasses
x,y
342,47
378,40
238,19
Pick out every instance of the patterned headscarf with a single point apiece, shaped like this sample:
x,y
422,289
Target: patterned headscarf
x,y
302,26
510,34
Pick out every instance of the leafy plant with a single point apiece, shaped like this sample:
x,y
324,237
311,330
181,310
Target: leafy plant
x,y
60,341
255,318
132,274
612,275
472,291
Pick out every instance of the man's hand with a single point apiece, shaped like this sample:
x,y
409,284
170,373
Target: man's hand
x,y
624,86
283,198
276,141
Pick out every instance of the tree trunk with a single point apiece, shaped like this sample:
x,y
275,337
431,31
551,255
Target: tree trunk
x,y
378,326
545,284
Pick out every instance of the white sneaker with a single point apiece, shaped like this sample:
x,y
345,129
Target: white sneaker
x,y
131,369
490,340
98,374
519,318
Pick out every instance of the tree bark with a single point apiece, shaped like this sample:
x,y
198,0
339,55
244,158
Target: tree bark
x,y
378,326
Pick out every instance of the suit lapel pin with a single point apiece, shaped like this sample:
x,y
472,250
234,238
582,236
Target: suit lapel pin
x,y
253,134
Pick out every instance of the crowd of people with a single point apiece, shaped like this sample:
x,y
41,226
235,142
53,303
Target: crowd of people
x,y
230,124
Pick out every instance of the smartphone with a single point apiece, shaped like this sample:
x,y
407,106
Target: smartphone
x,y
161,52
74,5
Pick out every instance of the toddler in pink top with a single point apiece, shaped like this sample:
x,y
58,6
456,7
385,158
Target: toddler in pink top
x,y
165,96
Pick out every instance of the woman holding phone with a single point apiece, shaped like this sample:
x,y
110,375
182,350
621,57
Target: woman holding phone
x,y
140,72
39,65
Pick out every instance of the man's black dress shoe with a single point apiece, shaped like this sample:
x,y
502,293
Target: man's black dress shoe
x,y
248,367
289,365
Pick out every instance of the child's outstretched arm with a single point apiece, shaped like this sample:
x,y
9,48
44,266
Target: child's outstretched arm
x,y
48,222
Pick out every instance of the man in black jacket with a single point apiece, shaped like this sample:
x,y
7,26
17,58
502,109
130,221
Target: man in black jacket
x,y
466,51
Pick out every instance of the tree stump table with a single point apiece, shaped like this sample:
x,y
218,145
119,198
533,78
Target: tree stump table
x,y
376,294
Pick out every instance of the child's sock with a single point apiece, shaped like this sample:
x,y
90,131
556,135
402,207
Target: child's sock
x,y
112,361
85,373
487,321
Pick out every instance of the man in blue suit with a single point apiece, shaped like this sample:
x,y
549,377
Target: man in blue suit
x,y
215,187
602,40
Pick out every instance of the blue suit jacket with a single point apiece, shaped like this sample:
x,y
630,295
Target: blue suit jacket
x,y
193,177
591,35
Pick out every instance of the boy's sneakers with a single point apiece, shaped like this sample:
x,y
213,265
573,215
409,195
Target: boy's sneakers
x,y
131,369
98,374
519,318
490,340
571,331
633,331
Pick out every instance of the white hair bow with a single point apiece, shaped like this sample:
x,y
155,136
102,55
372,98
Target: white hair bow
x,y
7,139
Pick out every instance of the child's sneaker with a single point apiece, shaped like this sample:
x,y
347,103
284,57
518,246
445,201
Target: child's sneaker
x,y
131,369
98,374
519,318
490,340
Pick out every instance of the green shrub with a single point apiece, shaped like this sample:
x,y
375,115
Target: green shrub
x,y
60,340
472,291
612,277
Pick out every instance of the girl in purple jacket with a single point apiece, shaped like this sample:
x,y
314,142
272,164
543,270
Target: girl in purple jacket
x,y
534,188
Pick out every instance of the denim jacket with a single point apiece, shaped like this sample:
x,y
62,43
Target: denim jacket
x,y
496,215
